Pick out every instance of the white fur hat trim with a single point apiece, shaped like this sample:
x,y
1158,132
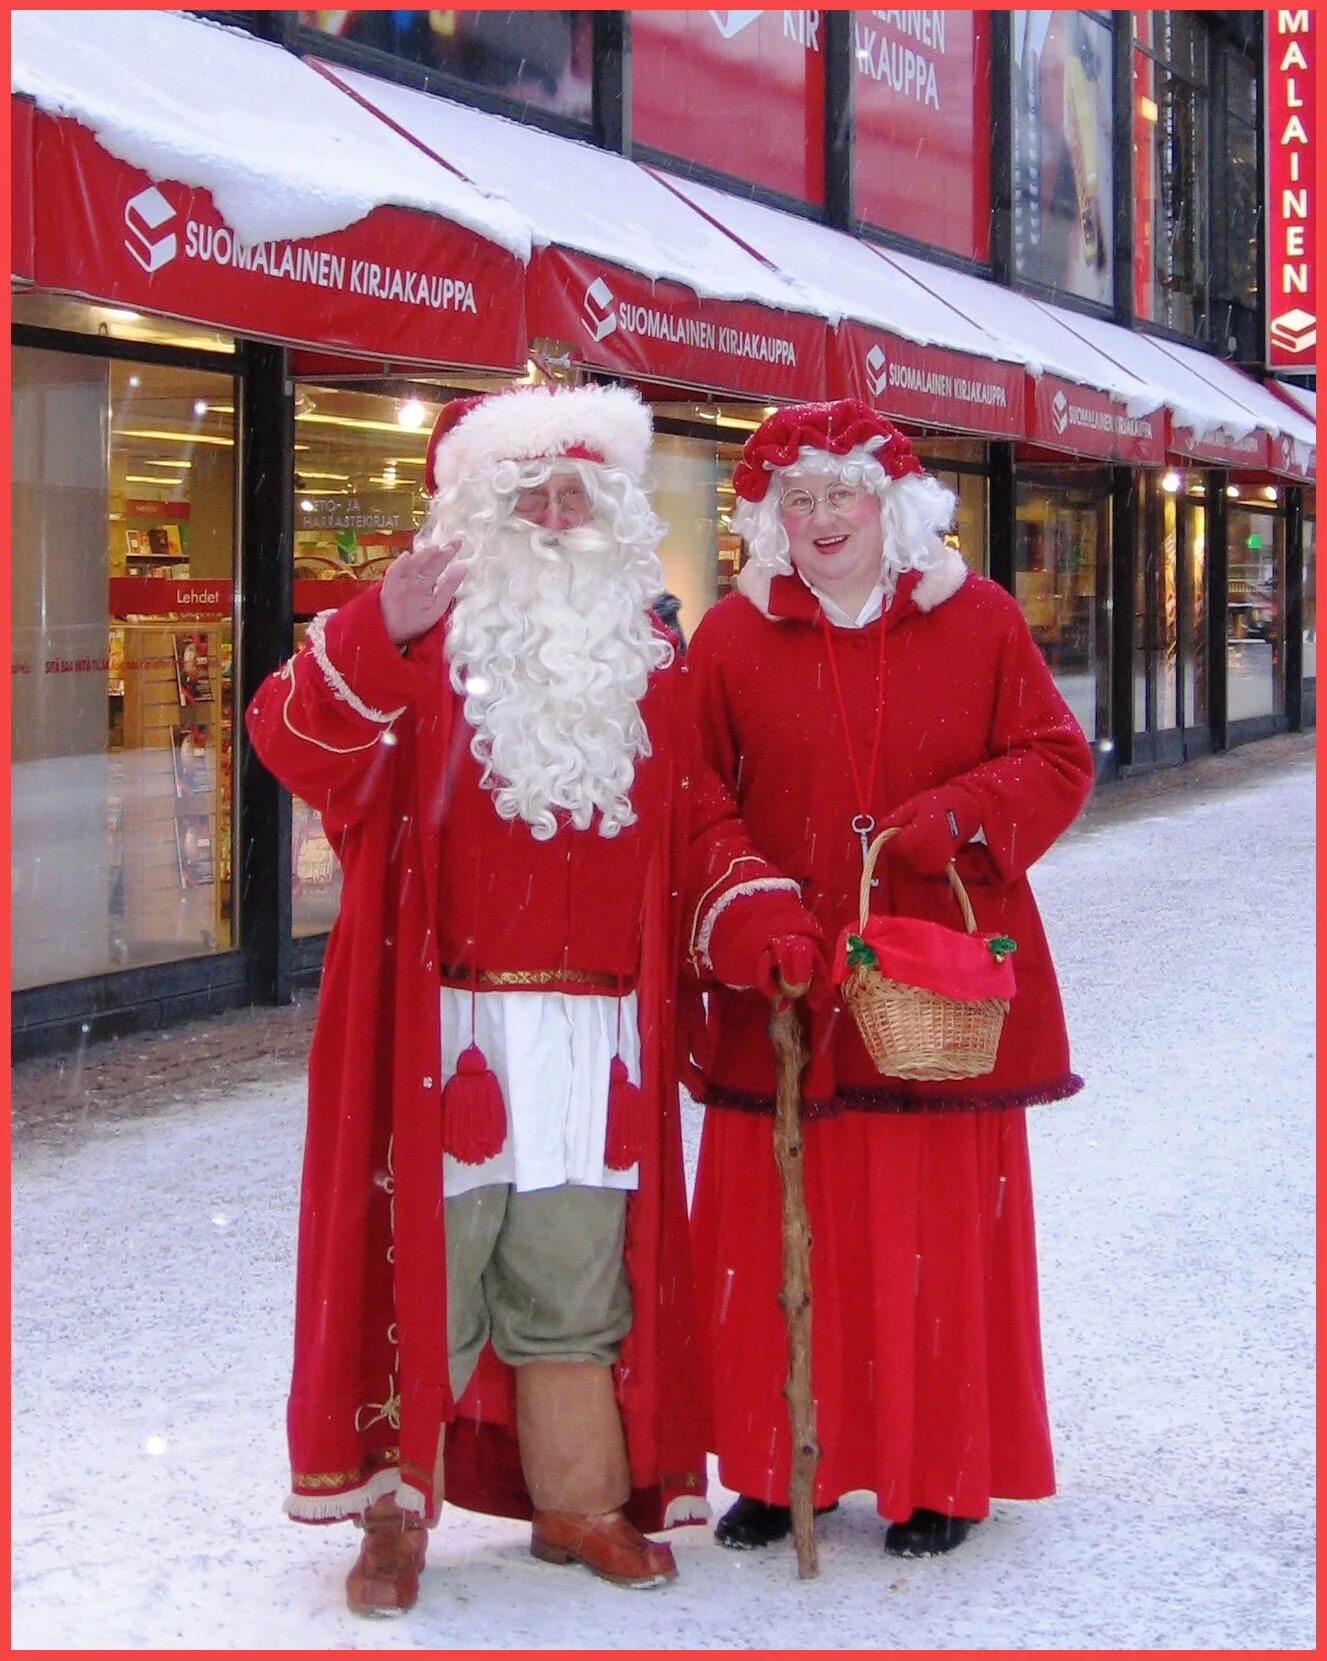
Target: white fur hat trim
x,y
531,422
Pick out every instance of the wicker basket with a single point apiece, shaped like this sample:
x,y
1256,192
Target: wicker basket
x,y
909,1031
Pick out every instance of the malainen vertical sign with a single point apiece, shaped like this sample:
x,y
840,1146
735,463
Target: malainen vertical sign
x,y
1292,290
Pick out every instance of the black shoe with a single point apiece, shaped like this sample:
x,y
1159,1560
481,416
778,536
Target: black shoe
x,y
751,1523
926,1534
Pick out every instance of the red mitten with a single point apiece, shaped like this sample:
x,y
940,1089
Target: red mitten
x,y
793,960
934,825
744,927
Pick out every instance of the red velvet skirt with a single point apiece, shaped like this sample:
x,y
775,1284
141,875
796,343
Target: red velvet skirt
x,y
926,1346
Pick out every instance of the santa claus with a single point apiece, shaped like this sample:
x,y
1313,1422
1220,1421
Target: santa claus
x,y
492,1227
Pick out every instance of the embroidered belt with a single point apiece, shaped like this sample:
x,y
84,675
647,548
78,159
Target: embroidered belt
x,y
511,980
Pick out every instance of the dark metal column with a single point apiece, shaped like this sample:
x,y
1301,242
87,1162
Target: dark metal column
x,y
1218,562
611,94
266,567
1122,167
840,61
1000,542
1124,484
1294,659
1002,146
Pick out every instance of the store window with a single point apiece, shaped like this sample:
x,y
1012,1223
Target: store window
x,y
122,779
1238,211
539,60
1172,170
1063,142
1255,603
922,127
954,461
738,93
1062,580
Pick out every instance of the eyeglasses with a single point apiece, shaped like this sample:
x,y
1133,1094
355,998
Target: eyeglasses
x,y
530,504
839,498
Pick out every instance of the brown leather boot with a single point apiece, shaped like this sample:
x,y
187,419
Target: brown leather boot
x,y
385,1578
574,1458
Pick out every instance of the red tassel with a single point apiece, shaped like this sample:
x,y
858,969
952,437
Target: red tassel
x,y
474,1116
626,1119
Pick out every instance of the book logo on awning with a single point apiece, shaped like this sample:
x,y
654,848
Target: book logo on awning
x,y
145,217
1060,413
600,310
877,371
732,23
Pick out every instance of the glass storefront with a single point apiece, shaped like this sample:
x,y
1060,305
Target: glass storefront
x,y
122,588
359,499
1170,681
1255,603
1062,580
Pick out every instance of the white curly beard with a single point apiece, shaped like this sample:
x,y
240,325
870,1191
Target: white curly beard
x,y
551,645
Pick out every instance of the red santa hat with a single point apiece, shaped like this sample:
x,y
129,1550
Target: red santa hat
x,y
837,428
605,424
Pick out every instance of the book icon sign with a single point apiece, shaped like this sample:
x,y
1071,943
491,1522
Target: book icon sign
x,y
1295,331
145,215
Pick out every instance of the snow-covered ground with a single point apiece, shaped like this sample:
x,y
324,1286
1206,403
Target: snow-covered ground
x,y
152,1286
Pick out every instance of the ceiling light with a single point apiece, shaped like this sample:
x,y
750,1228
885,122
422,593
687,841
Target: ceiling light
x,y
135,380
309,473
306,506
1147,108
175,438
200,406
152,478
1171,482
411,414
1232,490
1269,491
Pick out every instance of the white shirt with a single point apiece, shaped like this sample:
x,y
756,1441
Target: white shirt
x,y
550,1053
873,607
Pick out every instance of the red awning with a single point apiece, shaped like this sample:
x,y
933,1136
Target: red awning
x,y
21,115
627,276
1083,421
399,283
926,385
619,320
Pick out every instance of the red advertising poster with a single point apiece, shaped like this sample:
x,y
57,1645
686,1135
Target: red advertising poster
x,y
923,126
616,319
1086,422
1063,173
740,92
21,117
396,283
927,385
1292,280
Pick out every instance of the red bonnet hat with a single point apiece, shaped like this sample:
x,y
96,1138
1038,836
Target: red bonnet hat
x,y
836,428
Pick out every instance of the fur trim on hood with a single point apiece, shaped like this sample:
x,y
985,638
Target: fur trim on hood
x,y
595,422
934,587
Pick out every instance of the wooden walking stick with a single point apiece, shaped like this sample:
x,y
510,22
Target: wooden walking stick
x,y
790,1055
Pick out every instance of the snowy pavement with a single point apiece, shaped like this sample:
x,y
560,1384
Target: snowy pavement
x,y
152,1276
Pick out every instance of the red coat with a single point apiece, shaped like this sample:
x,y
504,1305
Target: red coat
x,y
926,1349
369,1390
967,697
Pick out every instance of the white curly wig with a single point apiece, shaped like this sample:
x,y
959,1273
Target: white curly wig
x,y
915,512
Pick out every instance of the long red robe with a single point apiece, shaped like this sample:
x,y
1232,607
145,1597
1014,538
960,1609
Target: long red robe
x,y
369,1390
926,1338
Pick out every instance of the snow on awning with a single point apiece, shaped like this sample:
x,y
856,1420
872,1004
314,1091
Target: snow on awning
x,y
22,118
896,345
624,271
186,168
1302,398
1080,398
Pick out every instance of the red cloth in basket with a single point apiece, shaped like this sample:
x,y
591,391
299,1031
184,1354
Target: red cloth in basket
x,y
939,959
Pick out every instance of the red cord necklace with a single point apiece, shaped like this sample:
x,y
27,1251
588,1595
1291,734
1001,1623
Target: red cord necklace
x,y
863,824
